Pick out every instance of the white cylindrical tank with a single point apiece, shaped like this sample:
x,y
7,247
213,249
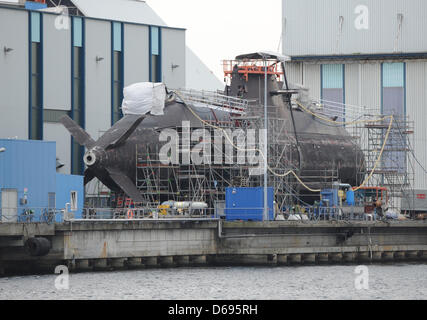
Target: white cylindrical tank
x,y
198,205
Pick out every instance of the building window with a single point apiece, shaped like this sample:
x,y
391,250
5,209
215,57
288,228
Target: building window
x,y
73,201
393,90
394,103
77,91
332,91
36,77
155,55
117,72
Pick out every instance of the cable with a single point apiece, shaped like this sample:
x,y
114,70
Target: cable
x,y
291,172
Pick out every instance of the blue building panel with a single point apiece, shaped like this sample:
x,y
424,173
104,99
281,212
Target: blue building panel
x,y
32,5
28,169
329,198
65,185
247,204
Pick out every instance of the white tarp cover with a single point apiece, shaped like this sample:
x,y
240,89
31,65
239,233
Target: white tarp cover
x,y
144,97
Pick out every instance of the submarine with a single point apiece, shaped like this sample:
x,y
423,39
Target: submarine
x,y
317,146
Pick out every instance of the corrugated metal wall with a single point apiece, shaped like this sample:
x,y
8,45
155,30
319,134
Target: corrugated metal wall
x,y
313,27
294,72
98,77
14,74
371,86
136,54
14,66
56,65
416,109
28,165
173,53
311,75
363,88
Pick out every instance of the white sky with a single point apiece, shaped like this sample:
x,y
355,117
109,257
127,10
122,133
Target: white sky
x,y
223,29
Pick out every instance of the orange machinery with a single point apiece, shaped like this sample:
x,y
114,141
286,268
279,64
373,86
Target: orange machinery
x,y
252,66
367,196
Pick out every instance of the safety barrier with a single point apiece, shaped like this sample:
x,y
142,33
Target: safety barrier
x,y
33,215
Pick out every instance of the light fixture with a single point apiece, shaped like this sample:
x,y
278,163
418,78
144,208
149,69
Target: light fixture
x,y
59,164
7,50
98,58
174,66
2,150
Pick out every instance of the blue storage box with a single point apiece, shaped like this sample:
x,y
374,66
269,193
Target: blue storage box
x,y
329,196
247,204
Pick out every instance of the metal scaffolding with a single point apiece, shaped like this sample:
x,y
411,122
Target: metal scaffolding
x,y
395,168
207,183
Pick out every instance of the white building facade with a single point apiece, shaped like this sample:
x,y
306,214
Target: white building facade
x,y
370,53
53,64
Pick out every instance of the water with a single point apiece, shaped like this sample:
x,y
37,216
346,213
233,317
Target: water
x,y
401,281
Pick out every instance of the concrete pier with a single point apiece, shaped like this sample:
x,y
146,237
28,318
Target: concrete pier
x,y
377,256
118,263
323,258
83,265
100,264
363,257
150,262
182,261
388,256
282,259
336,257
309,258
198,260
105,244
272,259
134,263
166,262
253,260
411,255
295,259
349,257
399,256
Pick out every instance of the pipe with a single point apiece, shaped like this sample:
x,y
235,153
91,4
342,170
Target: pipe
x,y
265,218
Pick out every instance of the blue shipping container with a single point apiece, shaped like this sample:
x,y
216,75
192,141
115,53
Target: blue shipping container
x,y
329,198
247,204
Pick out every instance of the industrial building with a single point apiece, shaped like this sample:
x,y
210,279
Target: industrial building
x,y
371,55
30,188
76,60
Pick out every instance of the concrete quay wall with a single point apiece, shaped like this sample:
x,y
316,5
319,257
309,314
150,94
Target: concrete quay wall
x,y
101,245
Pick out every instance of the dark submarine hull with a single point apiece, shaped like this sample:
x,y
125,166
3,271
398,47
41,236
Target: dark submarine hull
x,y
319,146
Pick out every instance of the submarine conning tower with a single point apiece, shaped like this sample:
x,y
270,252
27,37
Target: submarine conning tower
x,y
321,152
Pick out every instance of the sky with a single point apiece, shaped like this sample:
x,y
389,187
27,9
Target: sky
x,y
222,29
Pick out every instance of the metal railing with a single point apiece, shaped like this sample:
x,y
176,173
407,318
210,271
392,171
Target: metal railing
x,y
307,213
214,100
32,215
146,213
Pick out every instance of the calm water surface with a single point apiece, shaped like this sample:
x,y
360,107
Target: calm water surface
x,y
401,281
